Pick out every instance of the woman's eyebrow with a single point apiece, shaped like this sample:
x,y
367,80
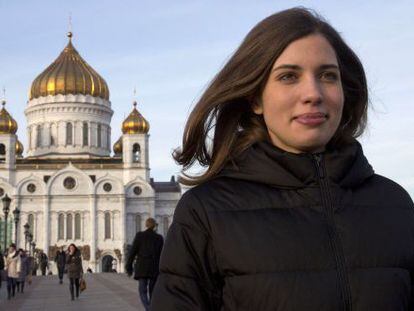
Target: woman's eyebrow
x,y
297,67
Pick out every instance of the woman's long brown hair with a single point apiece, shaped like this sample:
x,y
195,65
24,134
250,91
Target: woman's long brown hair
x,y
225,111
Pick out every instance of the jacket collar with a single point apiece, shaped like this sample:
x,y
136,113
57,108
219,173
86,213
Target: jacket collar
x,y
265,163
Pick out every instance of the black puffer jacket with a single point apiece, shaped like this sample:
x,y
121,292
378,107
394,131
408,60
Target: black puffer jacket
x,y
279,231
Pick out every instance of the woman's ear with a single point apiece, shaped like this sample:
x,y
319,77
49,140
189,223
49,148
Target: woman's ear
x,y
257,107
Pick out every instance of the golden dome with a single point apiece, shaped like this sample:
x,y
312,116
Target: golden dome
x,y
7,124
69,74
19,148
135,123
118,146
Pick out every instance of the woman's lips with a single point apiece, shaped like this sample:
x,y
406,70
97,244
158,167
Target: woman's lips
x,y
311,119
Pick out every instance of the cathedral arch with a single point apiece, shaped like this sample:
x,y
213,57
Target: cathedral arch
x,y
117,185
147,190
84,184
22,186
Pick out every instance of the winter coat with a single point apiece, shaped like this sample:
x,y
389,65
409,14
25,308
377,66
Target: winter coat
x,y
13,265
24,268
60,259
1,262
146,249
74,265
43,260
281,231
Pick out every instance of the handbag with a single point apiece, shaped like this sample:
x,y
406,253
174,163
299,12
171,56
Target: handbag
x,y
82,285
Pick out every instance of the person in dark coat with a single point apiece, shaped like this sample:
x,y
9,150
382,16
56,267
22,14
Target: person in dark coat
x,y
146,251
43,262
24,271
289,214
60,260
74,269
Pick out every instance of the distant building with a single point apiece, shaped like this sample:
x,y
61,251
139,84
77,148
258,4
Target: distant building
x,y
68,187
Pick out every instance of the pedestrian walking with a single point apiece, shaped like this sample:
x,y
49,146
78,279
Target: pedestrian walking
x,y
289,214
35,264
74,269
24,271
60,260
43,260
145,251
114,265
12,266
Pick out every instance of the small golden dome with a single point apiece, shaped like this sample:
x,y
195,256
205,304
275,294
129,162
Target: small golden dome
x,y
7,124
19,148
135,123
69,74
118,146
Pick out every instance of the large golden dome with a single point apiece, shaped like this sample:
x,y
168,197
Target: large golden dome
x,y
135,123
69,74
7,124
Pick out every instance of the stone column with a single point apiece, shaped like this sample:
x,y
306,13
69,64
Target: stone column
x,y
46,224
92,219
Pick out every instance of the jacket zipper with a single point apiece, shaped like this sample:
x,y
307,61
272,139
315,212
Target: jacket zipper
x,y
333,233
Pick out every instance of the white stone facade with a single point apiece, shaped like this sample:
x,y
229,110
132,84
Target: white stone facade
x,y
71,190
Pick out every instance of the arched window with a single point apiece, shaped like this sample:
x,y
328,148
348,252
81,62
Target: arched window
x,y
165,224
77,226
69,227
85,132
61,224
2,150
107,225
136,153
137,223
38,136
30,221
69,133
99,135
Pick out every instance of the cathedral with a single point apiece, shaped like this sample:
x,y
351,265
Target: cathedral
x,y
69,186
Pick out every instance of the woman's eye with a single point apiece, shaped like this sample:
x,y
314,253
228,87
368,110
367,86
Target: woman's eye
x,y
287,77
329,76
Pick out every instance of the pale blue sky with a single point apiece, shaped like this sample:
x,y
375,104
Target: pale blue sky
x,y
170,50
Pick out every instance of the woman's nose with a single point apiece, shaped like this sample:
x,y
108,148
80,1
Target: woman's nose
x,y
311,91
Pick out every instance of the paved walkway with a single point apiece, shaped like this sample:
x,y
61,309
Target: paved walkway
x,y
105,291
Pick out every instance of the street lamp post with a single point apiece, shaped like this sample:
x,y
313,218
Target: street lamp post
x,y
16,214
6,208
26,233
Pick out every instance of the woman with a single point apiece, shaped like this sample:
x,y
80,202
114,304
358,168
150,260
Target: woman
x,y
24,270
60,260
74,268
13,269
289,214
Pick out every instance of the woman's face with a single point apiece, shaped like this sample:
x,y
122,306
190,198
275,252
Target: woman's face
x,y
71,249
303,98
